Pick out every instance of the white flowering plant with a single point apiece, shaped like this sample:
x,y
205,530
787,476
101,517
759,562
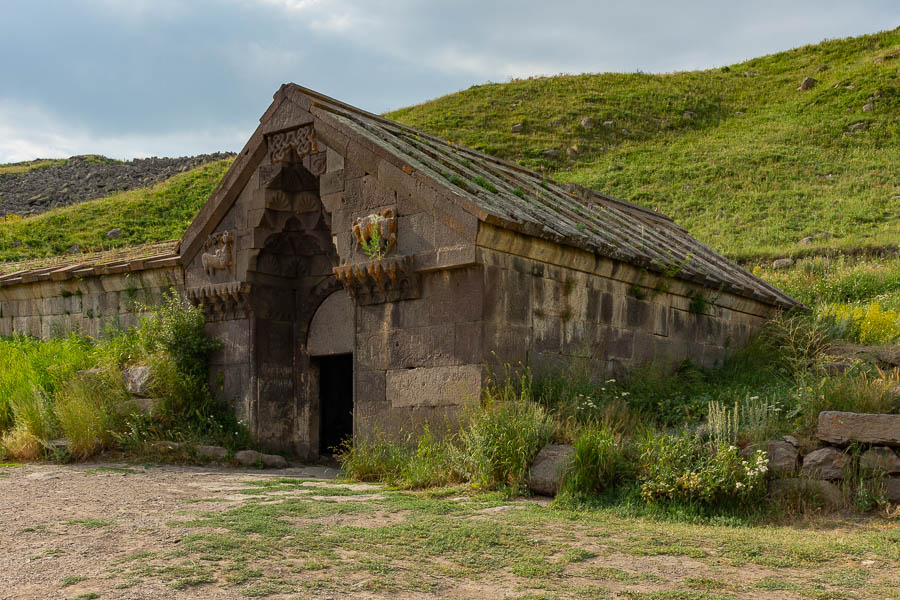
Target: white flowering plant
x,y
684,469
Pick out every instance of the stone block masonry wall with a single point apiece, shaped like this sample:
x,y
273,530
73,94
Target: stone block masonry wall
x,y
420,360
544,303
87,305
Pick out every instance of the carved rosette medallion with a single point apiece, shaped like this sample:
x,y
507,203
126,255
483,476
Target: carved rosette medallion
x,y
218,253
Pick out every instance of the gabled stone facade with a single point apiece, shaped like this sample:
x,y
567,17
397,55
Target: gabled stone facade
x,y
363,276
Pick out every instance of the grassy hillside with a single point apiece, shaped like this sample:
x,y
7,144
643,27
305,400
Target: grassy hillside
x,y
742,158
160,212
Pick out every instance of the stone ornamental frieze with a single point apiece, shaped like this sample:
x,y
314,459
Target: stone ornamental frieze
x,y
386,280
221,300
218,253
293,145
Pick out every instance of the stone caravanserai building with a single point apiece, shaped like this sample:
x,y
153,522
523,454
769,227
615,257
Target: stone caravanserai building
x,y
363,274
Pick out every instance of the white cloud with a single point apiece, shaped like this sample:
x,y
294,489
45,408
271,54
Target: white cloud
x,y
322,15
28,132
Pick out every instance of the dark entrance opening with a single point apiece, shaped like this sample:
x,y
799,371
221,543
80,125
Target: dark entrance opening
x,y
335,401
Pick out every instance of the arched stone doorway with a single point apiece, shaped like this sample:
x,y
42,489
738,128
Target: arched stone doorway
x,y
330,344
293,293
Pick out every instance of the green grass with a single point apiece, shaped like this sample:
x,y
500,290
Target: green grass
x,y
73,388
753,169
31,165
415,544
158,213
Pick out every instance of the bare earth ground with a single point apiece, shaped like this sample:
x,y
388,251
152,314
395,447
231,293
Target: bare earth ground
x,y
123,531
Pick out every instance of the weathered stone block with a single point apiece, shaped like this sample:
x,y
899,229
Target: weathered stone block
x,y
843,427
454,296
783,457
549,468
892,489
212,452
137,380
332,330
825,463
433,386
880,460
248,457
823,493
421,347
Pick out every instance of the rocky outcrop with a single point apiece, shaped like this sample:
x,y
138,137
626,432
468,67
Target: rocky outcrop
x,y
84,178
549,469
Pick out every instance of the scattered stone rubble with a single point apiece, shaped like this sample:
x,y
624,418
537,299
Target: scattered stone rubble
x,y
86,178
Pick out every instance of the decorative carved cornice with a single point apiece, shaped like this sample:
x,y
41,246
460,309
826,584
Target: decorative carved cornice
x,y
384,280
291,146
222,300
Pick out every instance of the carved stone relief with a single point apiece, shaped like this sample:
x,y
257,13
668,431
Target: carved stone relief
x,y
376,233
218,253
292,145
221,300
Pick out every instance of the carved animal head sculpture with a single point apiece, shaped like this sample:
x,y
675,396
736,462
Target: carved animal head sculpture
x,y
376,233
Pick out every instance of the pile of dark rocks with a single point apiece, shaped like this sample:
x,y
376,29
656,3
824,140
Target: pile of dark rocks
x,y
84,178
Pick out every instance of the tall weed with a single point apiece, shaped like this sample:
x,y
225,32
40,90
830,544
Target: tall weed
x,y
752,421
87,409
877,392
600,462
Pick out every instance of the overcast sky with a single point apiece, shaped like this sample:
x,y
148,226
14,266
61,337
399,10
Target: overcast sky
x,y
135,78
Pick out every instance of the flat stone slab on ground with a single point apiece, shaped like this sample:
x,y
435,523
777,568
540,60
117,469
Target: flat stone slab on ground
x,y
252,457
549,468
213,452
844,427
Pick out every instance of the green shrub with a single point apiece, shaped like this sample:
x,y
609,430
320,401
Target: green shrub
x,y
600,462
43,396
684,470
500,438
798,340
370,458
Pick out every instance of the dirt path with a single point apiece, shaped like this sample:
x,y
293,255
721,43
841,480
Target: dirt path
x,y
101,531
59,524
